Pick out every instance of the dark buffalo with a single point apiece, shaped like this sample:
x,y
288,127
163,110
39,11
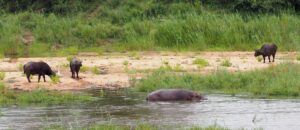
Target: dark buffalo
x,y
41,68
75,65
267,50
174,95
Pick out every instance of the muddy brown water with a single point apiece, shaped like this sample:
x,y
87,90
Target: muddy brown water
x,y
130,108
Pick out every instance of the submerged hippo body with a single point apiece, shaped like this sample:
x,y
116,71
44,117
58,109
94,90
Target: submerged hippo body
x,y
41,68
174,95
267,50
75,65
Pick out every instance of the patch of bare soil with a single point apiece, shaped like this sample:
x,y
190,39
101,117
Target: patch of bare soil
x,y
115,70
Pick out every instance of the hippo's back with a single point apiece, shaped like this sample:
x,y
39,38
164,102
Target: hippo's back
x,y
169,95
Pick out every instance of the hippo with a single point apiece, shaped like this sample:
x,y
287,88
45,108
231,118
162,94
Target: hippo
x,y
174,95
41,68
75,65
267,50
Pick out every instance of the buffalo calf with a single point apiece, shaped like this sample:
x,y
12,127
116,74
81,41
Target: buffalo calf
x,y
41,68
75,65
267,50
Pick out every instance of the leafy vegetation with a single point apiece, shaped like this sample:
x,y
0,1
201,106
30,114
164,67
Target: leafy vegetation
x,y
154,7
280,80
40,96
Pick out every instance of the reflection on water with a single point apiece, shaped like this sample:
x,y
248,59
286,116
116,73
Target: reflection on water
x,y
130,108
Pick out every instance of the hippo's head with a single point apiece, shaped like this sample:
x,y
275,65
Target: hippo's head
x,y
257,52
197,97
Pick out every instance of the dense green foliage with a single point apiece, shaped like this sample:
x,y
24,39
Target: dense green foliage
x,y
155,6
39,97
68,27
281,80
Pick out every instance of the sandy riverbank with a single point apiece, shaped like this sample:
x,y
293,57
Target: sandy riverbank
x,y
117,68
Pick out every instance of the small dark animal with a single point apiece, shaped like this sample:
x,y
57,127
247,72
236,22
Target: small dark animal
x,y
174,95
267,50
75,65
41,68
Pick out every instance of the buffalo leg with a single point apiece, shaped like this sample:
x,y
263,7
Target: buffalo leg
x,y
44,78
77,74
28,77
273,57
73,74
264,59
39,78
269,58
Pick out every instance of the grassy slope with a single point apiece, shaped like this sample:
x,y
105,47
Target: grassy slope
x,y
281,80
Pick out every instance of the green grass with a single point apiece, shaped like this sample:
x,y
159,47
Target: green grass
x,y
298,57
226,63
2,75
95,70
259,59
280,80
201,62
64,36
55,79
39,97
84,68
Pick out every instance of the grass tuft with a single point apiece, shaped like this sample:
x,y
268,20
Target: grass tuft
x,y
2,75
55,79
259,59
201,62
95,70
298,57
226,63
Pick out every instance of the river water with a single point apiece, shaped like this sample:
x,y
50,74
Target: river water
x,y
130,108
